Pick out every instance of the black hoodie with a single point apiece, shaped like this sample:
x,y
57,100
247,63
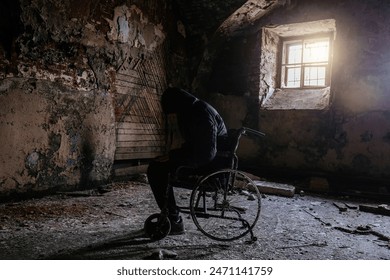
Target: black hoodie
x,y
200,125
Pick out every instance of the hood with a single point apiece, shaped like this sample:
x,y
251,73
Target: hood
x,y
176,100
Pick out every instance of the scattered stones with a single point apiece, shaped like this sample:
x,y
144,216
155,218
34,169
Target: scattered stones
x,y
341,206
275,188
162,254
97,227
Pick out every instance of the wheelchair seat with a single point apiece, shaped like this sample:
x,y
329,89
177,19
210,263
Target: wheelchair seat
x,y
225,158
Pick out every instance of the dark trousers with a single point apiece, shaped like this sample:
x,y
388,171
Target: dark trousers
x,y
158,177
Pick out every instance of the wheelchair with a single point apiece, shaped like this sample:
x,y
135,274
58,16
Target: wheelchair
x,y
224,204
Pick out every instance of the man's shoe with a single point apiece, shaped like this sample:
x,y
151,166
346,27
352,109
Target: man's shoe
x,y
177,226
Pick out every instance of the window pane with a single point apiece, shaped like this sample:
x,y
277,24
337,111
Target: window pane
x,y
314,76
293,77
294,54
316,51
305,63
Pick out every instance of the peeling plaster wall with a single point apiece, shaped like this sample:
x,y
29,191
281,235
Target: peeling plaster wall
x,y
53,137
350,138
60,91
74,72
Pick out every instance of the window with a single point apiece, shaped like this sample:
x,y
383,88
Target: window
x,y
296,64
305,63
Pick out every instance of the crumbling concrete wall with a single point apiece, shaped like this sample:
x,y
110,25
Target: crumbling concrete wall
x,y
59,91
350,136
53,137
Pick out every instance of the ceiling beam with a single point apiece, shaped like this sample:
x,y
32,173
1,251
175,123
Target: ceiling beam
x,y
247,15
250,12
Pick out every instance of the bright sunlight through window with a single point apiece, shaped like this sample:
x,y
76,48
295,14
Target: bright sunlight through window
x,y
305,63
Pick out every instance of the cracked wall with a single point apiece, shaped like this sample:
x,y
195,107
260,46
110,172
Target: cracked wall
x,y
61,97
53,137
348,138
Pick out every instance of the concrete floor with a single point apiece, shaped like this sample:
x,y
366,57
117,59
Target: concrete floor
x,y
95,225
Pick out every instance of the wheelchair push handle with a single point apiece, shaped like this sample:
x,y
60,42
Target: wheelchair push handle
x,y
247,130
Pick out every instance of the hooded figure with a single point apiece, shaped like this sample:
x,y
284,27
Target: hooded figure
x,y
201,127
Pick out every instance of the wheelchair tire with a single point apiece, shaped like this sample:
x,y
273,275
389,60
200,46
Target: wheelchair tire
x,y
157,226
225,205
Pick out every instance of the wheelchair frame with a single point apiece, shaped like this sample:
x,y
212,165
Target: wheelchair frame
x,y
225,204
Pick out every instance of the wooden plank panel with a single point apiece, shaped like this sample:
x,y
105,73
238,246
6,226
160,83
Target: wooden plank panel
x,y
125,73
128,82
138,126
138,155
138,144
138,119
127,150
142,131
140,137
132,156
131,89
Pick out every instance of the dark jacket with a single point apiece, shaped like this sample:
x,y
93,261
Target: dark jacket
x,y
200,125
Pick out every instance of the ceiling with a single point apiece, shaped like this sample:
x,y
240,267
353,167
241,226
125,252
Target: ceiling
x,y
226,16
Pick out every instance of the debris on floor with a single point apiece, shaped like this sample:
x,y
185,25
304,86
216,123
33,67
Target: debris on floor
x,y
382,209
109,225
275,188
161,254
341,206
364,229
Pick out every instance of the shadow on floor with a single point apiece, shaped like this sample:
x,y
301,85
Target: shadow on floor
x,y
136,245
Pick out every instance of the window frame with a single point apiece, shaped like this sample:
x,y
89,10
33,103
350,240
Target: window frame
x,y
274,97
300,40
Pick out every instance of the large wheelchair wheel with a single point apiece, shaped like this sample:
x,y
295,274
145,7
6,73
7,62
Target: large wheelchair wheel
x,y
225,205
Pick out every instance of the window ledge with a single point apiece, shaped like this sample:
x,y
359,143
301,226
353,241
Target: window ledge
x,y
297,99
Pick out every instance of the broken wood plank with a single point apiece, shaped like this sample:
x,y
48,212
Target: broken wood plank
x,y
351,206
380,209
364,230
275,188
341,206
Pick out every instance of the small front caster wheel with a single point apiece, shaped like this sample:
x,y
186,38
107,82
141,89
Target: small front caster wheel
x,y
157,226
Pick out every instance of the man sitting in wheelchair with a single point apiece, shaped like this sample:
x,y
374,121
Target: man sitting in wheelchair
x,y
203,130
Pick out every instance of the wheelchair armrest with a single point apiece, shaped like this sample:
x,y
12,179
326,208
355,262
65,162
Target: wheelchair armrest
x,y
247,130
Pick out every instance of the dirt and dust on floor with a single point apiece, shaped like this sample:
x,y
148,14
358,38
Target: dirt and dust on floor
x,y
107,223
